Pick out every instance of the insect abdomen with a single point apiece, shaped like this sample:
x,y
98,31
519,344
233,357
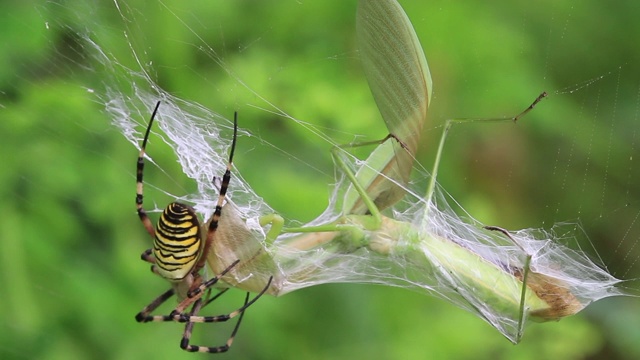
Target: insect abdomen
x,y
177,243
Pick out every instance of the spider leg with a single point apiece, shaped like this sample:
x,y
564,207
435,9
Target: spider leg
x,y
184,343
146,256
215,218
209,301
231,315
143,316
142,214
196,293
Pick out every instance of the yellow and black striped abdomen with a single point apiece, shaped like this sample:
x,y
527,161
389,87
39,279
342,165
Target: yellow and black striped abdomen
x,y
177,243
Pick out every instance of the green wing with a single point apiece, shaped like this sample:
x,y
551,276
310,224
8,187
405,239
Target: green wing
x,y
399,78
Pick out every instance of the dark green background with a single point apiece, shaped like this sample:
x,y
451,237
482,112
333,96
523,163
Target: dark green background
x,y
71,275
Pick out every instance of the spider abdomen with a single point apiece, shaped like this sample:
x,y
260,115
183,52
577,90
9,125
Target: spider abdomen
x,y
177,244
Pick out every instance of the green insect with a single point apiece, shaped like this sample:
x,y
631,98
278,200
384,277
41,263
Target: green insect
x,y
486,271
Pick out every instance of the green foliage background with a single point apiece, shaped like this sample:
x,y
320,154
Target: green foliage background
x,y
71,275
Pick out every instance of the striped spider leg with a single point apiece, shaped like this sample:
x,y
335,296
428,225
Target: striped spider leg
x,y
180,248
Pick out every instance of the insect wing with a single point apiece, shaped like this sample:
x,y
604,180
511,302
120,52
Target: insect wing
x,y
400,81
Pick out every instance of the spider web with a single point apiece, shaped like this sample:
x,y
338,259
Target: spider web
x,y
573,159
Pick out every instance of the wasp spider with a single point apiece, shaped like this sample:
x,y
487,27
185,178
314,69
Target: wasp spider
x,y
180,248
